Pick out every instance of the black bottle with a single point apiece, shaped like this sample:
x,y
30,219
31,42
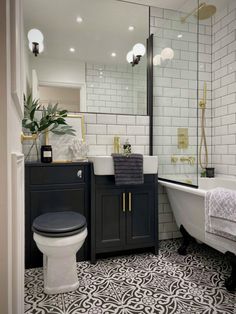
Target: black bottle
x,y
46,153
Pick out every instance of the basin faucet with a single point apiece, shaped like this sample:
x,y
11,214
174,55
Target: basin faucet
x,y
116,144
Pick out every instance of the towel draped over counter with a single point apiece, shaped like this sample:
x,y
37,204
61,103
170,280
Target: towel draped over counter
x,y
220,213
128,169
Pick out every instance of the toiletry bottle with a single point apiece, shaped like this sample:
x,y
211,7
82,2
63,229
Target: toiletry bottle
x,y
127,147
46,153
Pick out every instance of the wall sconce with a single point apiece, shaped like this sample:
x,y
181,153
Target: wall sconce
x,y
166,54
157,60
133,57
35,38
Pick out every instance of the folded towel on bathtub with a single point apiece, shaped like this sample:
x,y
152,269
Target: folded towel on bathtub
x,y
220,213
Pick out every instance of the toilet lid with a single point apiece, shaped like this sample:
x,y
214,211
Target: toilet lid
x,y
59,224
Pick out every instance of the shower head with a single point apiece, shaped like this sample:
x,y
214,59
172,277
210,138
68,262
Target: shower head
x,y
202,12
205,12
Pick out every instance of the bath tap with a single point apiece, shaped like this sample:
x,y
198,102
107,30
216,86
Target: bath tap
x,y
174,160
189,159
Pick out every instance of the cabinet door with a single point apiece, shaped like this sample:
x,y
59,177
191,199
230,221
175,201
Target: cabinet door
x,y
110,220
54,200
140,213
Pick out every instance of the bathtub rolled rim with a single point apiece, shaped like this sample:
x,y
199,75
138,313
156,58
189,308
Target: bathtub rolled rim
x,y
184,188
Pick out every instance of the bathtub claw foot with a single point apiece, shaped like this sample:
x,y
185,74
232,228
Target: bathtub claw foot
x,y
230,283
182,250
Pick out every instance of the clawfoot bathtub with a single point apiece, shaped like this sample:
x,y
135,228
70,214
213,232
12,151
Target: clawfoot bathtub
x,y
188,205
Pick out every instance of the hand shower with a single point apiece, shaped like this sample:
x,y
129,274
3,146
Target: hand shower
x,y
203,142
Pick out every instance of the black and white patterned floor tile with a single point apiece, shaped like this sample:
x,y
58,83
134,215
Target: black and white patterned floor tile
x,y
141,284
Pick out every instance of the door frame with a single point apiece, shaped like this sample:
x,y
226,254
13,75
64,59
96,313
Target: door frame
x,y
4,214
11,161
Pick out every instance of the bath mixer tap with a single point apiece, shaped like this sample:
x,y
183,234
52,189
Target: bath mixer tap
x,y
174,159
189,159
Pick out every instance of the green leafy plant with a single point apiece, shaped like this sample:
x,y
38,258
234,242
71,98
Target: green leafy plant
x,y
39,120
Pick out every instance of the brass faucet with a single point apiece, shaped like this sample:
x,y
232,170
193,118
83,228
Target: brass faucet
x,y
202,103
32,137
189,159
174,159
116,144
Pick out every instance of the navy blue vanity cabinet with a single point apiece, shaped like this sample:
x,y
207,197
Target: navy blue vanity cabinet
x,y
51,188
123,218
110,227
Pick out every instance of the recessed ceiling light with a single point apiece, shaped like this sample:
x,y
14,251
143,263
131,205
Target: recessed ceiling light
x,y
131,28
72,49
113,54
101,73
180,36
79,19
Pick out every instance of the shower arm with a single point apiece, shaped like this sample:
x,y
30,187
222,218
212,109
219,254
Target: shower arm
x,y
183,19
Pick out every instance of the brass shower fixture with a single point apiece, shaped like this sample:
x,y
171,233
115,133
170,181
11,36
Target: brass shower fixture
x,y
202,103
202,12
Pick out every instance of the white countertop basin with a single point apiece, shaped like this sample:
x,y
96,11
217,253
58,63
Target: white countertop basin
x,y
103,165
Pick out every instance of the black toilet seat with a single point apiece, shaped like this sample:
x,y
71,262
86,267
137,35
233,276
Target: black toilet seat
x,y
59,224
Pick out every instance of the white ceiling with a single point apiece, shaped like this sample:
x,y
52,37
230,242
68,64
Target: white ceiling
x,y
181,5
104,28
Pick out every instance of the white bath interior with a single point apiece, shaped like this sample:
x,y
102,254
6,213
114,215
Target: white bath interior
x,y
188,205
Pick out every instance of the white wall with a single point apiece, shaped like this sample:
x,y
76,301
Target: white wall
x,y
101,129
176,100
117,88
10,130
58,71
224,90
175,88
109,88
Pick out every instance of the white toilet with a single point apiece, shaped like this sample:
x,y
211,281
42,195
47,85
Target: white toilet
x,y
59,236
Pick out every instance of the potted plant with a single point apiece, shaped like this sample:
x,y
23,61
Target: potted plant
x,y
39,120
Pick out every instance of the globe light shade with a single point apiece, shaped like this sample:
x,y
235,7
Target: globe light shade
x,y
34,35
157,60
129,57
139,50
41,47
167,54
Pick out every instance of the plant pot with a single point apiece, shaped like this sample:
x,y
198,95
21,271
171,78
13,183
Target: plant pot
x,y
32,151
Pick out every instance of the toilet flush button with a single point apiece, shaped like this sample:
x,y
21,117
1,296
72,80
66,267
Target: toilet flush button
x,y
79,174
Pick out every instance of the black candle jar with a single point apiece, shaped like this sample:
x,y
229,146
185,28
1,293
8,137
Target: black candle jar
x,y
46,153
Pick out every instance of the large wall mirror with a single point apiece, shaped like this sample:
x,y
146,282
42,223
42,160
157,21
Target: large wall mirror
x,y
83,65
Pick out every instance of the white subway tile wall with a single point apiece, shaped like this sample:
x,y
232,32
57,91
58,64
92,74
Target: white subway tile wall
x,y
116,88
176,84
176,99
224,90
101,129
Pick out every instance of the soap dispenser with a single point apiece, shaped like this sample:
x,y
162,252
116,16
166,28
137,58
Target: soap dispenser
x,y
127,147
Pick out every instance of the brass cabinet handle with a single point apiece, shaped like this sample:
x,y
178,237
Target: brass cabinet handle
x,y
123,195
130,202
